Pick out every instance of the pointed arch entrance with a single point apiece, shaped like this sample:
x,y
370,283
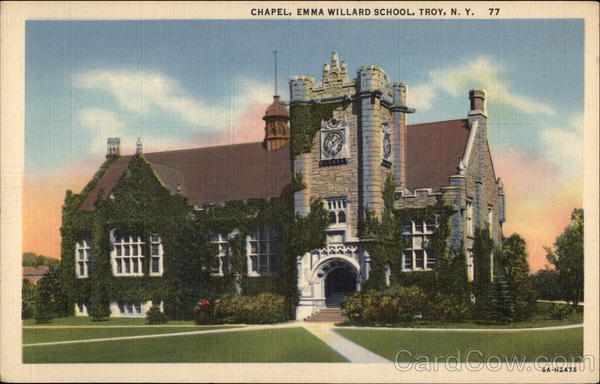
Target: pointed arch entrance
x,y
338,278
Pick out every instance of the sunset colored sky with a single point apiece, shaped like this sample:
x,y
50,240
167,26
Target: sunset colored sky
x,y
183,84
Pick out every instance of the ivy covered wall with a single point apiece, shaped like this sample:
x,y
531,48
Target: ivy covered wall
x,y
306,122
140,205
384,242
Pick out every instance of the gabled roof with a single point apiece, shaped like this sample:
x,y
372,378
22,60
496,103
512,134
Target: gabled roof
x,y
433,152
210,174
107,182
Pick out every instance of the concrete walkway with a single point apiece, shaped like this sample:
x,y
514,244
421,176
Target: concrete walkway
x,y
351,351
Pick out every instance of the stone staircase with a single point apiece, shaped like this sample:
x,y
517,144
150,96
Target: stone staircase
x,y
327,315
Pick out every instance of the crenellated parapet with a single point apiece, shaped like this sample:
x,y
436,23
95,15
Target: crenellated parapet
x,y
301,88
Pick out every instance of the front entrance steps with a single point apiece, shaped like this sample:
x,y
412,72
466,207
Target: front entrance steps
x,y
327,315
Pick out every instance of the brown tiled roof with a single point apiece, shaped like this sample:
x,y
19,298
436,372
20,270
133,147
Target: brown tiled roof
x,y
107,182
212,174
433,152
276,109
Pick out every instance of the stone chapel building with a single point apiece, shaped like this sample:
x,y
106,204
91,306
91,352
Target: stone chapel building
x,y
351,155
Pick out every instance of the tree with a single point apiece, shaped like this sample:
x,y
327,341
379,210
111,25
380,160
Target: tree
x,y
483,286
50,299
31,259
28,297
567,257
512,264
502,301
547,284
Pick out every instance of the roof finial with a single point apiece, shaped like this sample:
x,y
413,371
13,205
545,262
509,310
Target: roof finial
x,y
275,56
138,146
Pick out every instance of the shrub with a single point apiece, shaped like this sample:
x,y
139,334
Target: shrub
x,y
397,304
260,309
559,311
205,312
525,299
447,308
156,316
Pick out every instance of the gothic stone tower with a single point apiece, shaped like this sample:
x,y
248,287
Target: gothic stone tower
x,y
346,166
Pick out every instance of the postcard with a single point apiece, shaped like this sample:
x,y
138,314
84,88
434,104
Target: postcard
x,y
299,191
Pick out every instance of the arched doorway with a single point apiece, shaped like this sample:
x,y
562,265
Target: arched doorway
x,y
339,282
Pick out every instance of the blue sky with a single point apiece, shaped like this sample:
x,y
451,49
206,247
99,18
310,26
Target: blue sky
x,y
181,84
213,61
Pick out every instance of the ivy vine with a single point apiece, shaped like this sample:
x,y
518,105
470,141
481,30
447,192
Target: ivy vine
x,y
306,122
384,242
142,206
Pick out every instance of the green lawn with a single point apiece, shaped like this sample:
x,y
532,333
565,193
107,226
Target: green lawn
x,y
273,345
527,344
42,335
84,320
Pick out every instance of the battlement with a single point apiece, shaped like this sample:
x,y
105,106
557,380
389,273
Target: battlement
x,y
336,83
373,78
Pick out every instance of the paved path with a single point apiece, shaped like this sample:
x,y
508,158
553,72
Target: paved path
x,y
351,351
554,328
557,302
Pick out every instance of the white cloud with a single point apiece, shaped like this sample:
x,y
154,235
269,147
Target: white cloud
x,y
480,73
142,92
101,123
564,146
421,96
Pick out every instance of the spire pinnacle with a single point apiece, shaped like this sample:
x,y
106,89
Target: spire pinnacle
x,y
275,74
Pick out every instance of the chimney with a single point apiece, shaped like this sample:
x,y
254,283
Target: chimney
x,y
112,146
478,102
